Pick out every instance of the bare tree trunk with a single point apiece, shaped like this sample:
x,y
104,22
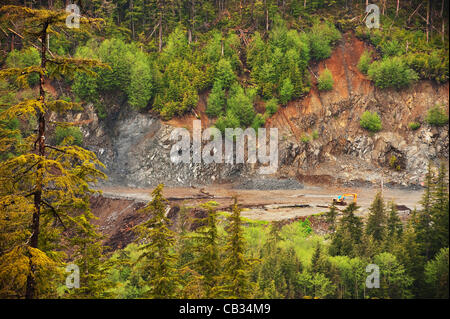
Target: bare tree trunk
x,y
34,240
160,7
193,21
267,15
428,19
398,5
132,19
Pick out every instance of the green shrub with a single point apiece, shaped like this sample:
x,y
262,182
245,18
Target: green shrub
x,y
393,161
315,135
414,126
371,121
76,137
271,106
364,62
436,116
258,121
392,48
429,66
305,138
391,72
325,81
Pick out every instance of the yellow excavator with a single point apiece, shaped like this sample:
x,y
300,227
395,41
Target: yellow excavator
x,y
340,200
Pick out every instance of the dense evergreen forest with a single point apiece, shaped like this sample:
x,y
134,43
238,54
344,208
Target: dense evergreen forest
x,y
159,56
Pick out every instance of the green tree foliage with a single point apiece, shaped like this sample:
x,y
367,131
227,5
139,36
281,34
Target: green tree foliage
x,y
141,88
224,73
348,234
325,81
157,256
394,281
436,274
216,100
279,67
391,72
130,74
93,266
413,126
27,57
350,279
286,91
370,121
431,223
240,104
277,272
377,219
394,224
364,62
68,135
47,187
331,217
271,106
321,37
206,260
436,116
236,275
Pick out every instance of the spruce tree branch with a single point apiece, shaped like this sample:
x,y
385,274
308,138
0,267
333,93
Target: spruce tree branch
x,y
54,213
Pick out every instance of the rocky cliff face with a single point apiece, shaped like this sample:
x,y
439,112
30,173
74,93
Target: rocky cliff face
x,y
346,153
135,147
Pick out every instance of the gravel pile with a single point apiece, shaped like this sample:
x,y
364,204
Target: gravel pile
x,y
269,184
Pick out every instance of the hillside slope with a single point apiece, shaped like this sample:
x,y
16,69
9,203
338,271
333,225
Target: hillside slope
x,y
136,146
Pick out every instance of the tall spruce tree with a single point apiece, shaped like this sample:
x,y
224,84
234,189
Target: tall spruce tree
x,y
377,219
423,218
440,210
157,257
206,261
236,276
394,224
41,182
349,233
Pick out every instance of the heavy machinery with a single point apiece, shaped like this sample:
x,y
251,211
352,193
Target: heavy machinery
x,y
340,200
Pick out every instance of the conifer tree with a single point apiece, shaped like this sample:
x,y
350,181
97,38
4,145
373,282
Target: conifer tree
x,y
236,279
423,218
207,262
42,182
377,218
94,267
349,233
394,224
157,256
440,210
331,216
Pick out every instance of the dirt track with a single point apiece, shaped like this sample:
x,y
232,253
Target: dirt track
x,y
270,205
